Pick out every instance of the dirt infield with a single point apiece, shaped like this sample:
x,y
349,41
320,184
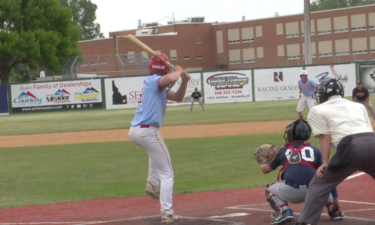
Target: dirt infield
x,y
204,130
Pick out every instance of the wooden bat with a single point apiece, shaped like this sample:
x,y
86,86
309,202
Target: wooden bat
x,y
147,49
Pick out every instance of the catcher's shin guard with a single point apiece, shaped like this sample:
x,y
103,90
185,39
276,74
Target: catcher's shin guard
x,y
272,201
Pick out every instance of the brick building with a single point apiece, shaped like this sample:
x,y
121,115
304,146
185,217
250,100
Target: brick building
x,y
340,35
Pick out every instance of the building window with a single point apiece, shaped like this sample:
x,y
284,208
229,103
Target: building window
x,y
358,22
186,57
235,56
372,44
371,20
103,62
247,34
291,29
325,48
280,50
359,45
219,42
93,63
131,56
293,51
342,47
324,26
199,57
313,49
258,31
279,29
144,56
198,39
312,27
173,54
340,24
233,36
260,52
248,55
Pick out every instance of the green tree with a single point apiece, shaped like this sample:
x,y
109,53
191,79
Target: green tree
x,y
318,5
84,15
35,32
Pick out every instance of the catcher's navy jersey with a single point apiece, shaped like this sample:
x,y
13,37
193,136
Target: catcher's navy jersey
x,y
298,173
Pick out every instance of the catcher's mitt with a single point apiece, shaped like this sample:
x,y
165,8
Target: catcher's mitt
x,y
265,153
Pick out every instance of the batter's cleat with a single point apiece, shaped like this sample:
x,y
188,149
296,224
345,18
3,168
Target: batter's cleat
x,y
298,223
287,216
152,190
169,218
335,215
275,215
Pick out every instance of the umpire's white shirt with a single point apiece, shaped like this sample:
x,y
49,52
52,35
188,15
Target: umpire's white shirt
x,y
338,117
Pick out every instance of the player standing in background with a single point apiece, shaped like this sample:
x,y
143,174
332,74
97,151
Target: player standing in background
x,y
144,130
307,90
196,97
299,161
361,95
345,126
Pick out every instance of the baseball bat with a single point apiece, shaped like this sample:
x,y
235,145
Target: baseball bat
x,y
147,49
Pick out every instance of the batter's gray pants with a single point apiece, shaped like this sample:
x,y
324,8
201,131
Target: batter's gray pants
x,y
192,104
354,153
285,193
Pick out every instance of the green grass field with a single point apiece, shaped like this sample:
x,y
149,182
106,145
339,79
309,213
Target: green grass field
x,y
75,172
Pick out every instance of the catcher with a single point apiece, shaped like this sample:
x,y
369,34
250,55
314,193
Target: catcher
x,y
299,161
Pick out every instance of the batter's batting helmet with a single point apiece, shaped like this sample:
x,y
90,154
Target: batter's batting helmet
x,y
297,130
157,64
329,88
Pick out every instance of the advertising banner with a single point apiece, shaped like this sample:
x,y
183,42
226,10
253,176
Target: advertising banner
x,y
54,96
367,76
228,86
194,82
345,73
276,83
4,110
123,92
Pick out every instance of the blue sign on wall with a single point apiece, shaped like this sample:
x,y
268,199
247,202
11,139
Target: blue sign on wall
x,y
4,99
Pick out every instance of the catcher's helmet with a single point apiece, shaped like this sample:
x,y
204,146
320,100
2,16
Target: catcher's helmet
x,y
328,88
297,130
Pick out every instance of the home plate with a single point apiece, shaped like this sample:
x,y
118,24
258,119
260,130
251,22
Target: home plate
x,y
229,215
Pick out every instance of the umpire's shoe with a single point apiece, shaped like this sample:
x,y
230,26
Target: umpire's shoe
x,y
287,216
335,215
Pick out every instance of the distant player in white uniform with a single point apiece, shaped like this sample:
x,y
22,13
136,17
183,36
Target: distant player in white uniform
x,y
307,93
144,131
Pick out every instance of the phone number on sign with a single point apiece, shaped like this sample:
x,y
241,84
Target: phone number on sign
x,y
228,92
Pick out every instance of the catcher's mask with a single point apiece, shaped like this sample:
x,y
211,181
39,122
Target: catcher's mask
x,y
297,130
328,88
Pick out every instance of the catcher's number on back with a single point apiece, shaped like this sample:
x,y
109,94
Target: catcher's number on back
x,y
265,153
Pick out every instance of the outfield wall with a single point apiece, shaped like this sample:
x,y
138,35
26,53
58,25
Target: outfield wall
x,y
247,85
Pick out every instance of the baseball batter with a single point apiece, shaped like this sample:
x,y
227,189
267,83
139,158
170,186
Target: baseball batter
x,y
307,90
299,161
344,126
196,97
144,131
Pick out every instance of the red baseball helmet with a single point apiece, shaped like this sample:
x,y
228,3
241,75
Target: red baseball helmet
x,y
157,64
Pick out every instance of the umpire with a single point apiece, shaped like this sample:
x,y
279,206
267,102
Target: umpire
x,y
345,126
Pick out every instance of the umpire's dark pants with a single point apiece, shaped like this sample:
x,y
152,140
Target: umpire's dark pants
x,y
354,152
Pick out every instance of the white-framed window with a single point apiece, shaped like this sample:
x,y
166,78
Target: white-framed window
x,y
247,34
173,54
186,57
293,51
291,29
235,56
325,48
233,36
359,45
342,47
358,22
199,57
324,26
340,24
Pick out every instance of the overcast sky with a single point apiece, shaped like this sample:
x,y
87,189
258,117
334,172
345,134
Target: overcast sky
x,y
117,15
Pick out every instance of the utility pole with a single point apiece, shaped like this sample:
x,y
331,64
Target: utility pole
x,y
308,58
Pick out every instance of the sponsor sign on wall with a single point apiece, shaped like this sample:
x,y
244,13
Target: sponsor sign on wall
x,y
194,82
276,83
345,73
4,110
367,76
227,86
123,92
52,96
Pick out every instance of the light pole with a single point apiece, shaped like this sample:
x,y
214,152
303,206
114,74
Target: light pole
x,y
308,58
